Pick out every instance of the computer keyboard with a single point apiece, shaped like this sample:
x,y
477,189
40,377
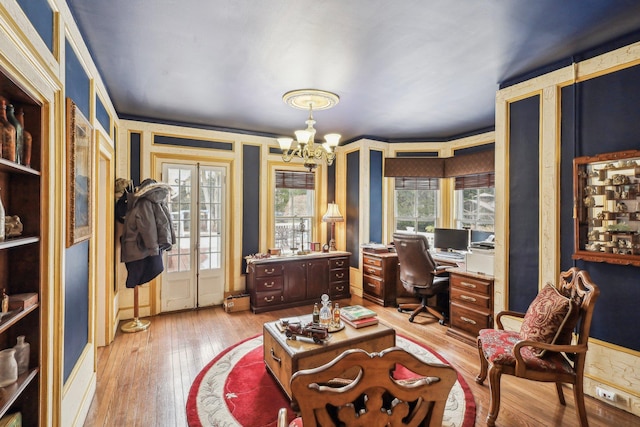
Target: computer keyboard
x,y
450,255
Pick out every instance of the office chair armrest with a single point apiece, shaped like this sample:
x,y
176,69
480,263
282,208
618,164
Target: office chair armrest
x,y
441,271
509,314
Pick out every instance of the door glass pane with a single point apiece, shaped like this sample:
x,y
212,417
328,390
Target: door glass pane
x,y
178,259
210,218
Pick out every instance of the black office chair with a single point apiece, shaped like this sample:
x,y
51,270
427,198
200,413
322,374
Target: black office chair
x,y
420,274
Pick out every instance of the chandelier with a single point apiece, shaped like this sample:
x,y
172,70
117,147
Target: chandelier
x,y
305,147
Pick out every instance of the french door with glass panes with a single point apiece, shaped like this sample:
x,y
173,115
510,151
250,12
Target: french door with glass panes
x,y
194,270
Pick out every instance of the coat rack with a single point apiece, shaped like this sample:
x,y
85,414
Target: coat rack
x,y
135,325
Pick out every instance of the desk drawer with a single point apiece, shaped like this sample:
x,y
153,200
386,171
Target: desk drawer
x,y
372,285
468,320
467,298
267,298
366,260
268,283
267,270
339,290
339,263
339,275
372,270
470,284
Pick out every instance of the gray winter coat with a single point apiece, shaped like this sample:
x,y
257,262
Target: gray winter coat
x,y
147,224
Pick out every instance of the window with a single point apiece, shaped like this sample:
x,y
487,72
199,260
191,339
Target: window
x,y
475,202
294,209
416,202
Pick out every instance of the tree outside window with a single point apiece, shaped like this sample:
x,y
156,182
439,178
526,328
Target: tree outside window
x,y
294,209
475,202
416,202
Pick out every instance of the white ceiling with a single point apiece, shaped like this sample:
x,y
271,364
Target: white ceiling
x,y
419,69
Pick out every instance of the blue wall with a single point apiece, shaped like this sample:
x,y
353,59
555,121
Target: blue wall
x,y
250,201
600,115
76,315
375,196
353,208
524,135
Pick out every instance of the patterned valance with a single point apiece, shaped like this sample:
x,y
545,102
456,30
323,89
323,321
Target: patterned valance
x,y
470,164
439,167
425,167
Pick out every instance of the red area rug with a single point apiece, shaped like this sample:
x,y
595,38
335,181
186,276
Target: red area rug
x,y
235,389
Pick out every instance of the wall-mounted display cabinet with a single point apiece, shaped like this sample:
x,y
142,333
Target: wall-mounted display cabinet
x,y
20,250
607,207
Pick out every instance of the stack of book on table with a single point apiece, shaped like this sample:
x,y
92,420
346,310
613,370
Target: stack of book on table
x,y
358,316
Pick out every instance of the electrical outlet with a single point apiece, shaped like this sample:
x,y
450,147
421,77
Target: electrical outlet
x,y
606,394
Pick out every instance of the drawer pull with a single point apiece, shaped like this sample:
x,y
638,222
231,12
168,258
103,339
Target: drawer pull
x,y
340,289
371,285
467,298
371,261
468,285
339,263
339,275
270,299
269,285
371,271
276,358
466,319
271,271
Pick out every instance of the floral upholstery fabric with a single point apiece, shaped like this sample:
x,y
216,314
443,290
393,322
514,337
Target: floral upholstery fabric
x,y
497,346
296,422
550,318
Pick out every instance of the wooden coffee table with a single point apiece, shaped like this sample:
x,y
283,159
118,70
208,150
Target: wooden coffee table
x,y
283,357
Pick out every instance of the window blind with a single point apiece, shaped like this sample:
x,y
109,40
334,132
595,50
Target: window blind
x,y
481,180
295,180
406,183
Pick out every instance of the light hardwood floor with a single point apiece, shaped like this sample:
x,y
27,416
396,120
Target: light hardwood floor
x,y
144,377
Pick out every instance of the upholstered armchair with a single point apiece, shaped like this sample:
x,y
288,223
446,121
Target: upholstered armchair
x,y
544,349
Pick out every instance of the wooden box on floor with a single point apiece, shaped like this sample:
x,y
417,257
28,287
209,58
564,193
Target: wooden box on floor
x,y
234,303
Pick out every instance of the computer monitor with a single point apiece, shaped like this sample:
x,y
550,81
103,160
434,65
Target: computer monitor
x,y
480,236
450,239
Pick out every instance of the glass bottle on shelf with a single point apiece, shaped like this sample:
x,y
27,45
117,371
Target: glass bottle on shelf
x,y
2,219
19,134
22,355
7,133
325,311
27,141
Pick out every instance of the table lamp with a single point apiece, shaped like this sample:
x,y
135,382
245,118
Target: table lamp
x,y
332,216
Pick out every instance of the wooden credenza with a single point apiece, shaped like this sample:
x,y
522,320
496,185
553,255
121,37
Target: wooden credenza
x,y
280,282
470,304
380,277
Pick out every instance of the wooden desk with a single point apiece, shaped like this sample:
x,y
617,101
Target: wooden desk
x,y
289,281
470,304
284,357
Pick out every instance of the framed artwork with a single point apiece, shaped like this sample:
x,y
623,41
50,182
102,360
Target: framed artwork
x,y
79,170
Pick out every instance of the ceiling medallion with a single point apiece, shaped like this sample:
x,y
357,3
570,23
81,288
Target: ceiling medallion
x,y
305,148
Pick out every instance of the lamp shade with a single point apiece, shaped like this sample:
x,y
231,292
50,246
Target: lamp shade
x,y
332,214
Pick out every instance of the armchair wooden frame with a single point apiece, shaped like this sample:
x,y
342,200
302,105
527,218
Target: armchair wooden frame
x,y
323,401
577,283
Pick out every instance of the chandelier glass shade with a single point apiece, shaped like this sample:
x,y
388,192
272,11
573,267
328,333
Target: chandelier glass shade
x,y
305,146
